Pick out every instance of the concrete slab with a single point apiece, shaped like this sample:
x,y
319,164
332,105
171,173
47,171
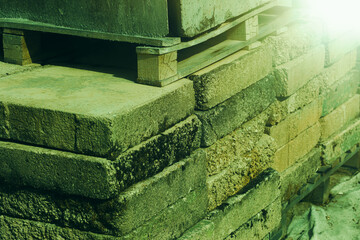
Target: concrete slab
x,y
127,213
127,17
224,79
189,18
231,114
88,112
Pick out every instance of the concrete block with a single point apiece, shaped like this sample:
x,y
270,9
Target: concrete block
x,y
338,144
260,225
340,92
336,48
203,230
288,154
298,174
235,212
191,18
152,156
280,110
338,118
295,123
339,69
120,17
61,96
58,171
298,40
131,209
174,220
293,75
231,114
242,169
224,79
230,148
13,228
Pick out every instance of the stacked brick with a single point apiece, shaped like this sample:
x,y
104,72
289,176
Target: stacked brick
x,y
191,160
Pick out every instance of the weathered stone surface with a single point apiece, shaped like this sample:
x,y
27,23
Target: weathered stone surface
x,y
229,76
153,155
294,74
288,154
236,211
174,220
336,48
298,174
189,18
338,118
14,229
89,112
55,170
296,123
233,146
231,114
138,205
240,171
340,92
121,16
261,225
298,40
340,143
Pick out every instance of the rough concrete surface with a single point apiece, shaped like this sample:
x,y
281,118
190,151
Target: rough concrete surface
x,y
230,148
291,152
58,171
261,225
158,152
220,81
235,212
242,169
189,18
89,112
231,114
179,185
293,178
14,229
113,16
298,40
292,75
339,117
295,123
340,92
341,142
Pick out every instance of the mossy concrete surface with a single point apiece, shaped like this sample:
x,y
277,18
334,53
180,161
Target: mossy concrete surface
x,y
95,177
141,17
172,200
88,112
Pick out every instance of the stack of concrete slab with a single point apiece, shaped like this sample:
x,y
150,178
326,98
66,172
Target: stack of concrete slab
x,y
86,154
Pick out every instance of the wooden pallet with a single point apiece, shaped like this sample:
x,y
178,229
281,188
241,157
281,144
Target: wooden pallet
x,y
161,61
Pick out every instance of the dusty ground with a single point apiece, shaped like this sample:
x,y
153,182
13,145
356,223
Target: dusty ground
x,y
339,219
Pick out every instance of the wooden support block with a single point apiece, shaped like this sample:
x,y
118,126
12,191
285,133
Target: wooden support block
x,y
319,195
353,162
155,68
245,30
20,47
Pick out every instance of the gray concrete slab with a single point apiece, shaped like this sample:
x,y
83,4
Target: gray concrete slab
x,y
86,111
141,17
